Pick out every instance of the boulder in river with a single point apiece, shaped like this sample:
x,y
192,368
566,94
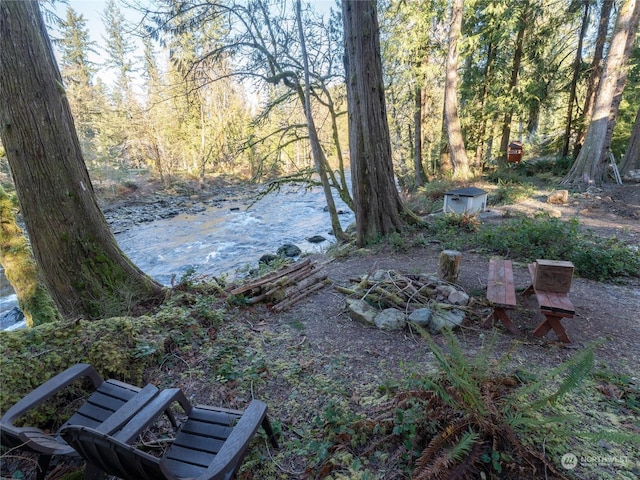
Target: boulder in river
x,y
289,250
316,239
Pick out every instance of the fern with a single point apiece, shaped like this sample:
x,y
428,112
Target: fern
x,y
611,436
464,446
577,370
458,371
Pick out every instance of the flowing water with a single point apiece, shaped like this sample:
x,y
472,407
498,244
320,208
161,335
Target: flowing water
x,y
225,238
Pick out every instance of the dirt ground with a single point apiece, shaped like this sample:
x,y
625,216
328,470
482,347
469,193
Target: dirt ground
x,y
603,311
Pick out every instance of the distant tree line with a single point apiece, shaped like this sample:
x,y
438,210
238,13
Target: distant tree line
x,y
222,85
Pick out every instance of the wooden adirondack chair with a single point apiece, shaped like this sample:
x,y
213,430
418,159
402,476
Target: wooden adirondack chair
x,y
210,444
108,397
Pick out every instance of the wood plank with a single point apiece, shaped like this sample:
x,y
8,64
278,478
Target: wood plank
x,y
551,301
500,286
270,278
555,302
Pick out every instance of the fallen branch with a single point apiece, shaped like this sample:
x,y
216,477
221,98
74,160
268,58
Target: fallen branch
x,y
287,303
271,277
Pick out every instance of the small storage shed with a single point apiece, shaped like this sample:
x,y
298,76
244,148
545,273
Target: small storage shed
x,y
468,200
515,152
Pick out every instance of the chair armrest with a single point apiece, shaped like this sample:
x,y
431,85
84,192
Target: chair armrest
x,y
235,446
48,389
43,443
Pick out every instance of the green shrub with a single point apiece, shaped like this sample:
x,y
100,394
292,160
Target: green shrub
x,y
606,259
527,239
505,176
509,192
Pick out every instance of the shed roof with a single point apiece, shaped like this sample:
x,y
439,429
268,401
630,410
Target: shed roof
x,y
466,192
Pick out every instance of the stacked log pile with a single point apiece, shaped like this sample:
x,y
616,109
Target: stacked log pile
x,y
285,287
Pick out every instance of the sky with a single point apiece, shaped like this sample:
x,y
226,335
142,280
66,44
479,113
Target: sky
x,y
92,11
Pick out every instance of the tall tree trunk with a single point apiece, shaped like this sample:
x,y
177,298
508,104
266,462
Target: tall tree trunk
x,y
513,83
482,127
632,155
574,79
595,73
590,166
81,264
316,149
457,151
379,210
418,168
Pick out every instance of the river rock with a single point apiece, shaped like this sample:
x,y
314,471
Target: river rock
x,y
316,239
10,318
379,276
458,297
289,250
339,211
268,258
390,319
445,290
632,176
361,311
445,319
421,317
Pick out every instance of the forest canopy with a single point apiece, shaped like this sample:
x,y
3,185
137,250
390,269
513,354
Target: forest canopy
x,y
193,88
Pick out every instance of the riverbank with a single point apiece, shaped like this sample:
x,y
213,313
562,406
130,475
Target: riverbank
x,y
141,199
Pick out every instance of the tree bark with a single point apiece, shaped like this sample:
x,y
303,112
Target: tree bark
x,y
418,168
513,83
482,128
632,155
449,265
316,149
595,72
81,264
574,79
590,166
457,152
378,207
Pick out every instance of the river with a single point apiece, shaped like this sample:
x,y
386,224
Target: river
x,y
225,238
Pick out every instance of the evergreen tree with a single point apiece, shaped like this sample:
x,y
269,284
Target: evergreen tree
x,y
378,207
78,74
83,268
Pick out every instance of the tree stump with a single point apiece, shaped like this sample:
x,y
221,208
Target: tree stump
x,y
449,265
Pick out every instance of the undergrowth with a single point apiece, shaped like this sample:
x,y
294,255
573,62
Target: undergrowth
x,y
463,422
527,239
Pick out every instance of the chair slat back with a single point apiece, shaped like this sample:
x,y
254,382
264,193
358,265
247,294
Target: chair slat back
x,y
198,441
108,398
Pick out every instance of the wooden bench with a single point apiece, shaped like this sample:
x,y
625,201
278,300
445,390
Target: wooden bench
x,y
554,306
501,293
